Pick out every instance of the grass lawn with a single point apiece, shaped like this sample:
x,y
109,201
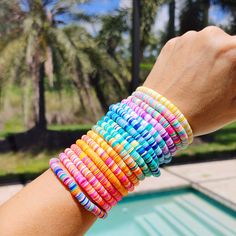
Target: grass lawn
x,y
28,162
16,126
70,127
12,126
24,162
222,141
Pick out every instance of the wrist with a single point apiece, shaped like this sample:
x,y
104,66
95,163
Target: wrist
x,y
175,96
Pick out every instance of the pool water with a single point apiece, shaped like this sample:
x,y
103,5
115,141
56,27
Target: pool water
x,y
178,212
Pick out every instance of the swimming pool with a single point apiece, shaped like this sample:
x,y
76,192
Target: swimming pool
x,y
177,212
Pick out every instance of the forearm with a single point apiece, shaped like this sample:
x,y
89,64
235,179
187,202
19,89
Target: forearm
x,y
44,207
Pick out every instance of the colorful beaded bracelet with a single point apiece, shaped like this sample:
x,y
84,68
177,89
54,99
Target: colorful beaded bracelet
x,y
115,156
151,136
82,181
109,162
75,190
90,177
111,132
164,101
96,172
135,150
170,132
160,135
148,153
129,160
177,138
126,145
99,162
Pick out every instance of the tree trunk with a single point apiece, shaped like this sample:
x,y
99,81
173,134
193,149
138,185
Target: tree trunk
x,y
38,74
135,45
171,23
206,7
99,93
82,84
41,119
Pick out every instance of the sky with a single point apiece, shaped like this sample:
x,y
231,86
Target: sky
x,y
100,7
105,6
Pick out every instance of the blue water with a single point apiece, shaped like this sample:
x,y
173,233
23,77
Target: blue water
x,y
178,212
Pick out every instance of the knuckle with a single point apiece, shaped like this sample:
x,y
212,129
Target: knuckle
x,y
188,36
212,29
190,33
171,42
214,39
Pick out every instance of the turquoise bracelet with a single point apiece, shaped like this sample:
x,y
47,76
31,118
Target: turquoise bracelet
x,y
127,146
126,155
158,132
148,153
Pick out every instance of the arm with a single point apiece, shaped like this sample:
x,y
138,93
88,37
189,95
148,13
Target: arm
x,y
44,207
196,72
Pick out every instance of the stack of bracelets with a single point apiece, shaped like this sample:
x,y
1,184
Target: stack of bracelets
x,y
129,143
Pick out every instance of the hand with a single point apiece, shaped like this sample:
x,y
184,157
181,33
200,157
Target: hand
x,y
197,72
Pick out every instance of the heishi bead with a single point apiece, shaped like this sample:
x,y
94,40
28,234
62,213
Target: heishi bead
x,y
147,151
128,159
116,157
94,169
160,134
159,142
169,116
83,182
128,144
76,192
158,120
173,109
102,167
110,162
90,177
164,101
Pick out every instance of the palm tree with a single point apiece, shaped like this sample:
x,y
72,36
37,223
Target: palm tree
x,y
11,26
111,34
111,39
96,68
114,27
148,17
39,47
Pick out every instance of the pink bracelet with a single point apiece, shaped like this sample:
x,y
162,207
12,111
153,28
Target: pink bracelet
x,y
181,133
172,136
82,181
156,129
109,162
97,173
75,190
90,177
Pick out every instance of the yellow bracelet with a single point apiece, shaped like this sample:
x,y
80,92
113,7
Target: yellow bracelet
x,y
165,102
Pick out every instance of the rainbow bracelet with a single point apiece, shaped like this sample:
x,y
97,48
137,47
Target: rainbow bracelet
x,y
165,102
128,144
75,190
